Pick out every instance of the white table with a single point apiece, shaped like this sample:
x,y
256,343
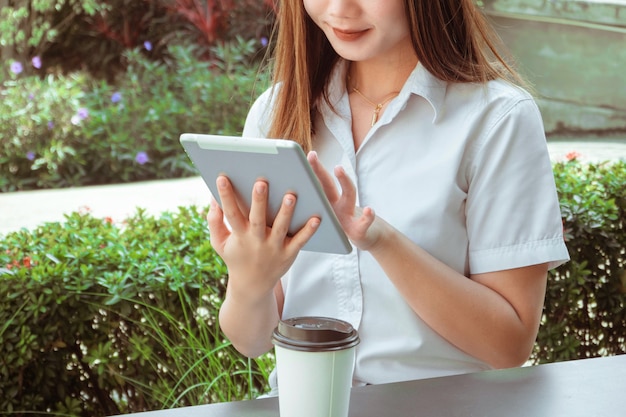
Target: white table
x,y
582,388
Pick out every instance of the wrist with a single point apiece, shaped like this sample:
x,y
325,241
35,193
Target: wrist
x,y
247,326
382,233
251,291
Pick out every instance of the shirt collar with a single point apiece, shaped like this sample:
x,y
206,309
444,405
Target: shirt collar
x,y
420,82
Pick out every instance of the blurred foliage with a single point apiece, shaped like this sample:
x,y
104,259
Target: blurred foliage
x,y
97,43
62,131
93,35
98,92
28,27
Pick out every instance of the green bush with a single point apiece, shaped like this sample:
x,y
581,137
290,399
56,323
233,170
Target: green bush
x,y
28,28
585,307
38,141
101,318
65,131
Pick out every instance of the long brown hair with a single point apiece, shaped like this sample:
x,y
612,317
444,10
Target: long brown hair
x,y
451,38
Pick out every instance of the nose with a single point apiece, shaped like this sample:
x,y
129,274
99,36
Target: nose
x,y
343,9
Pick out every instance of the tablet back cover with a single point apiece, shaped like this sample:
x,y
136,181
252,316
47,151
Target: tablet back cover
x,y
283,165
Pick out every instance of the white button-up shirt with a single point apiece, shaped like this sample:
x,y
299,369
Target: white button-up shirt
x,y
461,169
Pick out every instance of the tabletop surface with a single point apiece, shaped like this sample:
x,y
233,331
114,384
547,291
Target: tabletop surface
x,y
589,387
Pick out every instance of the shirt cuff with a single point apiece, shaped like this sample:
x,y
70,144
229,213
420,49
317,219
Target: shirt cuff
x,y
551,251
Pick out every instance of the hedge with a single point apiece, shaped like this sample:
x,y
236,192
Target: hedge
x,y
585,307
101,318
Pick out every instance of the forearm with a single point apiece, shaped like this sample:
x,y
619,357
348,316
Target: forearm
x,y
248,322
476,318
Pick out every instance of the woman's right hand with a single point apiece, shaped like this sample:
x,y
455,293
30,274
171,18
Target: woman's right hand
x,y
256,255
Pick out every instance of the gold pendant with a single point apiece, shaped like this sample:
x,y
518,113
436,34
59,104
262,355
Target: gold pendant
x,y
375,115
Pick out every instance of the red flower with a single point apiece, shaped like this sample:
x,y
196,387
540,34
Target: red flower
x,y
27,262
570,156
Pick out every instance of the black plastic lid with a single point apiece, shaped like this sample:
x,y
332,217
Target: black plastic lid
x,y
315,334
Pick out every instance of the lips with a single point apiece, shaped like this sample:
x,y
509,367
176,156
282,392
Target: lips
x,y
348,35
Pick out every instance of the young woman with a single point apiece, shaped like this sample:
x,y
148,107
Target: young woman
x,y
440,178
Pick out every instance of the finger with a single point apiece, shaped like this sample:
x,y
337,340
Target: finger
x,y
280,228
303,235
230,208
217,229
362,234
367,218
327,181
258,209
215,213
348,191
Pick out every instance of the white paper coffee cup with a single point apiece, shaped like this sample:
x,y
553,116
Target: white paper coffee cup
x,y
315,361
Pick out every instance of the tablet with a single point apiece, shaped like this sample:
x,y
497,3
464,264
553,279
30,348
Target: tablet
x,y
283,164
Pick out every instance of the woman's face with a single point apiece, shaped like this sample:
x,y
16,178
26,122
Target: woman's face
x,y
361,30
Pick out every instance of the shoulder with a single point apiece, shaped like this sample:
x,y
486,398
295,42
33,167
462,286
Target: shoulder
x,y
502,121
454,101
492,95
503,95
259,116
491,104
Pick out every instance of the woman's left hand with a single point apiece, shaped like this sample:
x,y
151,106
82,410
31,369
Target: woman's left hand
x,y
361,225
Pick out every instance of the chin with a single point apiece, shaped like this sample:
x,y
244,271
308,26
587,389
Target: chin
x,y
352,54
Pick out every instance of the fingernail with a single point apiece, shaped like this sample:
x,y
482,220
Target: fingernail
x,y
260,188
221,182
289,201
315,223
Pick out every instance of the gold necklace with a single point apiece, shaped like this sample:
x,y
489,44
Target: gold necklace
x,y
377,107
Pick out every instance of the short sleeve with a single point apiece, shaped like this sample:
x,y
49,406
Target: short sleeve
x,y
512,208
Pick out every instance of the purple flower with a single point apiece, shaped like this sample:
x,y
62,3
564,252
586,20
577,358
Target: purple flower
x,y
82,113
264,41
141,158
116,97
36,61
16,67
147,45
31,96
30,155
50,125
